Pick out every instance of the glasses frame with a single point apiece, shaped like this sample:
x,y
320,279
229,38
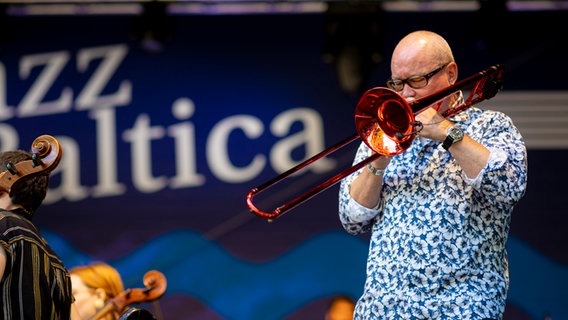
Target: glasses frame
x,y
427,76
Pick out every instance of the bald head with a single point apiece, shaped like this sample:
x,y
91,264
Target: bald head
x,y
420,50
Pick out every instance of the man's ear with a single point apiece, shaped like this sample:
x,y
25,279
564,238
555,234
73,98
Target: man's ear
x,y
5,200
452,70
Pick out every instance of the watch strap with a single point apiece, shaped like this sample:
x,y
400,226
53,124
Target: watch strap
x,y
447,142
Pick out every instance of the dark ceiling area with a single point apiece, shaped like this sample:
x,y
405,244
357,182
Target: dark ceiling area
x,y
235,7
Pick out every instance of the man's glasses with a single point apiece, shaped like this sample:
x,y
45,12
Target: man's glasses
x,y
415,82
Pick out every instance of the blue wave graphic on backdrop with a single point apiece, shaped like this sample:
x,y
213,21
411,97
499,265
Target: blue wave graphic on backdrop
x,y
538,285
325,264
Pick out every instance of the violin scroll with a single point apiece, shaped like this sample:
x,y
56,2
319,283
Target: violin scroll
x,y
46,155
155,283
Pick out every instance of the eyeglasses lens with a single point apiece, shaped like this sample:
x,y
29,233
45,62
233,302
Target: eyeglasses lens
x,y
415,82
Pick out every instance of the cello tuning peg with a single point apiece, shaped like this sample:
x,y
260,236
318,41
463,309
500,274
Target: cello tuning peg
x,y
11,168
36,160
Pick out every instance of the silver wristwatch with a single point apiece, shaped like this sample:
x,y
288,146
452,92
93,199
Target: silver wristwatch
x,y
455,134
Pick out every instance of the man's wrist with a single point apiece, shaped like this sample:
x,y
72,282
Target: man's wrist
x,y
455,134
375,171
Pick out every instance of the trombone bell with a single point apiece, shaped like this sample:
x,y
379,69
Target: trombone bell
x,y
383,120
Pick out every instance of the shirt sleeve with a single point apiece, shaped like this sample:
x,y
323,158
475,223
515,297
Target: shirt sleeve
x,y
354,217
506,170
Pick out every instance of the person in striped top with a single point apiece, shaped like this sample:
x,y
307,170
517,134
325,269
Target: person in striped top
x,y
34,282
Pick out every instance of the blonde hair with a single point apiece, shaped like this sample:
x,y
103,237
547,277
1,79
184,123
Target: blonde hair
x,y
100,275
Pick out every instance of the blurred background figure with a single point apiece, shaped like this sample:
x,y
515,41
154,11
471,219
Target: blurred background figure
x,y
93,286
99,293
340,307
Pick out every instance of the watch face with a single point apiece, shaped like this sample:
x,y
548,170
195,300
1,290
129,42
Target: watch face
x,y
456,134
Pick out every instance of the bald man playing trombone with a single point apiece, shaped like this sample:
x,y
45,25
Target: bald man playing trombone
x,y
439,211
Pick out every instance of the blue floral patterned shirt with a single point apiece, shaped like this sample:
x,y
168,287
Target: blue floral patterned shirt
x,y
437,248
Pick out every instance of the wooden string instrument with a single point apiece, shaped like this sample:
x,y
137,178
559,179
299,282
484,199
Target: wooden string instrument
x,y
155,286
46,154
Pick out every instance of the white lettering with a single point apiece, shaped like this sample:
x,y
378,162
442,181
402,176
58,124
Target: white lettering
x,y
90,95
217,149
106,154
6,112
184,136
9,139
31,104
292,148
140,137
311,136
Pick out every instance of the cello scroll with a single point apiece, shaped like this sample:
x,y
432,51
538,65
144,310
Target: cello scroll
x,y
46,155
